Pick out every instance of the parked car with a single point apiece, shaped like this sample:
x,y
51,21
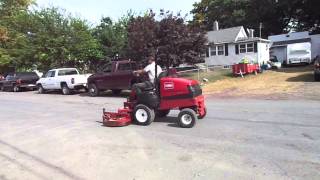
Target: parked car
x,y
64,79
274,62
19,81
117,77
317,69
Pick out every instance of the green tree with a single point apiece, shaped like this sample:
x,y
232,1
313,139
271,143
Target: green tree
x,y
142,37
113,35
51,38
175,41
9,11
277,16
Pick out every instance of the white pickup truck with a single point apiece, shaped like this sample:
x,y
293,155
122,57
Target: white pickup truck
x,y
65,79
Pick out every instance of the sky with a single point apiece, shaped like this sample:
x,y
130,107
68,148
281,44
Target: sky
x,y
93,10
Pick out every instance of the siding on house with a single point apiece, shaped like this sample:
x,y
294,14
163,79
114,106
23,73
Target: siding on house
x,y
231,39
262,55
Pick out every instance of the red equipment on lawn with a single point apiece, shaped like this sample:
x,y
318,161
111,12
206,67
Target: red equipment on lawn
x,y
169,93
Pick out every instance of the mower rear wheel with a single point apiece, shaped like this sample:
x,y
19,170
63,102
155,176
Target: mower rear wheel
x,y
187,118
162,113
143,115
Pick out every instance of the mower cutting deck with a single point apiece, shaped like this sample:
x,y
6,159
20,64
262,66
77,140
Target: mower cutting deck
x,y
119,119
170,93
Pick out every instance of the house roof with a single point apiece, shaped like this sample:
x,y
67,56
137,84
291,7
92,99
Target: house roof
x,y
224,35
283,43
252,39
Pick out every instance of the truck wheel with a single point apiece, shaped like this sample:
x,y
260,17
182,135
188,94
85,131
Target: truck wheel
x,y
93,90
16,88
116,91
187,118
65,89
204,115
143,115
41,89
162,113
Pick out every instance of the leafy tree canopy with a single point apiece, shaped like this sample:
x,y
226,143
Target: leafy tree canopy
x,y
277,16
175,41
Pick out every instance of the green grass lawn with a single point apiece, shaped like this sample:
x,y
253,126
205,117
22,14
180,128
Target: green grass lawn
x,y
211,75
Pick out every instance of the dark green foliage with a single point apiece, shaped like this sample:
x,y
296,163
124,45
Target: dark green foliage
x,y
277,16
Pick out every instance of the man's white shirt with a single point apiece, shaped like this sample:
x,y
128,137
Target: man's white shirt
x,y
151,70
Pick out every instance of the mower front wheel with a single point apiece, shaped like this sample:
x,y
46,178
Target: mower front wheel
x,y
187,118
143,115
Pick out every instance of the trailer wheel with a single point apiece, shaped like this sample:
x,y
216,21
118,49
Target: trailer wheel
x,y
204,115
162,113
187,118
143,115
65,89
93,90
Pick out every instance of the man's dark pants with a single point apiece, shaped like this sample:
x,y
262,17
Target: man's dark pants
x,y
140,87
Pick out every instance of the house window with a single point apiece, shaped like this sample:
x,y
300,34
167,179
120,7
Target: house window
x,y
213,51
250,47
217,50
220,50
245,48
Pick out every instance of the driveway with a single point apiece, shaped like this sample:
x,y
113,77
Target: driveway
x,y
52,136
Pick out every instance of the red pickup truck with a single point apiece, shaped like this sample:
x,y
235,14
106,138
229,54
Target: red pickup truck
x,y
117,77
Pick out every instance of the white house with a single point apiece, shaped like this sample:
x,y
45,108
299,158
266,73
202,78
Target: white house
x,y
282,44
230,46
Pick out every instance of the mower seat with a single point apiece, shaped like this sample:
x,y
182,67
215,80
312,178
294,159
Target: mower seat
x,y
148,89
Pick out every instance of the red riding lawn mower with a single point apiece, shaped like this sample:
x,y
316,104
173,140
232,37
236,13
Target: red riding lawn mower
x,y
170,92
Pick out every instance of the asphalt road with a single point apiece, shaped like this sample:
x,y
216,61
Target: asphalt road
x,y
53,136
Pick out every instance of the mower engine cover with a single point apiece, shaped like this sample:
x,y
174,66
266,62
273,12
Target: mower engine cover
x,y
179,88
181,93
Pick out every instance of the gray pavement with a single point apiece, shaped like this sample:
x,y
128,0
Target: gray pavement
x,y
52,136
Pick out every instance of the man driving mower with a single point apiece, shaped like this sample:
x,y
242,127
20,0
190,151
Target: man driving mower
x,y
156,97
150,69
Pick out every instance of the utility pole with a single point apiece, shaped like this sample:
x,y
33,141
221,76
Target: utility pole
x,y
260,29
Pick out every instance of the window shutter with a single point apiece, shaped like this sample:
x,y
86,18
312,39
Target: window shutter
x,y
207,51
226,49
237,48
255,47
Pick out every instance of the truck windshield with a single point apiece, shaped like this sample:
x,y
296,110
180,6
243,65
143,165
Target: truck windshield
x,y
66,72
